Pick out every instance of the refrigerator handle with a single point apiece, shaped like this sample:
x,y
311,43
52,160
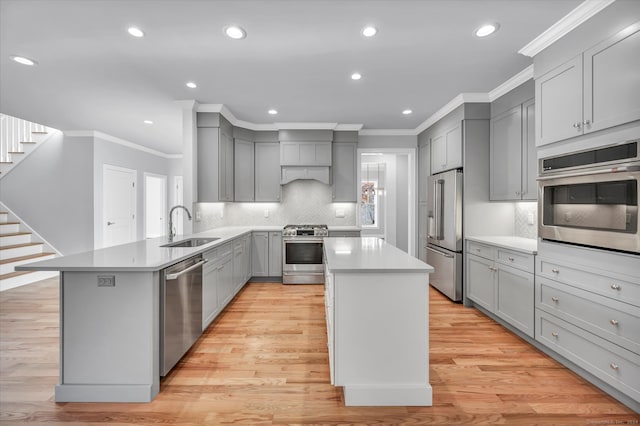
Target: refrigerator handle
x,y
438,206
450,256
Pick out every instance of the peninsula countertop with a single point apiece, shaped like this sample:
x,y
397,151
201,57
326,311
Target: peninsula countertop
x,y
142,256
369,254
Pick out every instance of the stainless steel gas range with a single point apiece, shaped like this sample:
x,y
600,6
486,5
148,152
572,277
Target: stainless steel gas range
x,y
302,256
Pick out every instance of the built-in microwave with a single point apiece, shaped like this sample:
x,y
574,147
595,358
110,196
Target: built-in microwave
x,y
591,197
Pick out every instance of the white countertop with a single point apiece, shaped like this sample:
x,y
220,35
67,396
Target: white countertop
x,y
526,245
369,254
141,256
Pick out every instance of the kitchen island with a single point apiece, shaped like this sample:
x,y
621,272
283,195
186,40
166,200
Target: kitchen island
x,y
377,313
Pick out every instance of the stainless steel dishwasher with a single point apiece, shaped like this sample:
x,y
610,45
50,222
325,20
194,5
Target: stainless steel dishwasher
x,y
181,310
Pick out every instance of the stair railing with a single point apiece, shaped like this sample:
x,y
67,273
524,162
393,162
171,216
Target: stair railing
x,y
14,130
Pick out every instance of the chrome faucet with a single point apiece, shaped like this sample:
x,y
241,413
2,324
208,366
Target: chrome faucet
x,y
171,231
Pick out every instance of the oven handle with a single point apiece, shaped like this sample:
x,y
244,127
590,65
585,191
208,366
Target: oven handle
x,y
302,240
593,172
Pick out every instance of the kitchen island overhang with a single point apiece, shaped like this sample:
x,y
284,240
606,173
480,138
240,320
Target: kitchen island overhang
x,y
377,313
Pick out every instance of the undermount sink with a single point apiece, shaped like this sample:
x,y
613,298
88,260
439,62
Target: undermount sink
x,y
191,242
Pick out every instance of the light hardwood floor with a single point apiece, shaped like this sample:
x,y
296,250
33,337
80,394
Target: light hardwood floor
x,y
264,361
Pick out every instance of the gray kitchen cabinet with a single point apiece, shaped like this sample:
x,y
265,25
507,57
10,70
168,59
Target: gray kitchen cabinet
x,y
343,172
512,148
424,171
267,172
209,288
215,163
305,153
592,91
240,256
275,254
446,149
502,282
266,254
225,280
243,169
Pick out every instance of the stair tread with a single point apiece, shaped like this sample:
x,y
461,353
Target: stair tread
x,y
27,257
6,162
15,152
9,223
28,142
14,274
39,132
20,245
15,234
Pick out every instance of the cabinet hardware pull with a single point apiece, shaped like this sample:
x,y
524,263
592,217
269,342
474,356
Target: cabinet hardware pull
x,y
555,270
613,366
577,125
477,248
615,287
614,322
555,299
511,259
554,334
587,122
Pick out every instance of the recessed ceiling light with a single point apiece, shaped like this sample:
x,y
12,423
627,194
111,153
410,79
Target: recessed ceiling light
x,y
407,112
148,122
235,32
356,76
272,112
24,61
191,85
486,30
369,31
136,32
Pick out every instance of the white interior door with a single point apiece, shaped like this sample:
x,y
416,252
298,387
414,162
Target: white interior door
x,y
155,205
177,201
119,205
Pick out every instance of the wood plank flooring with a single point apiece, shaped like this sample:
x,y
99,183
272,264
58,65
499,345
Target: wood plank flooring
x,y
264,362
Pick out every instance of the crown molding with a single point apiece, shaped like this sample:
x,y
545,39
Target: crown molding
x,y
515,81
387,132
187,104
450,106
570,21
113,139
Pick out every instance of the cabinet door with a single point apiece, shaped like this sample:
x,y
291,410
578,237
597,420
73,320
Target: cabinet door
x,y
260,254
225,282
559,103
267,172
209,294
243,171
323,153
529,158
247,257
454,147
208,160
505,171
515,301
438,154
612,81
275,254
226,167
238,263
481,281
424,170
343,172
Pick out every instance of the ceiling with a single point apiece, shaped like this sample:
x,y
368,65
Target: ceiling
x,y
298,57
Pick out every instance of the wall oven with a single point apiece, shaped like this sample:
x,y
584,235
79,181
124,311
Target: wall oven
x,y
302,254
591,197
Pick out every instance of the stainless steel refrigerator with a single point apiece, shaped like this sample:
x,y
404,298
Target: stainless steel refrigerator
x,y
444,232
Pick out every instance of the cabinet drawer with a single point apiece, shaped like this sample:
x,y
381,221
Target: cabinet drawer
x,y
612,320
610,363
482,250
516,259
619,287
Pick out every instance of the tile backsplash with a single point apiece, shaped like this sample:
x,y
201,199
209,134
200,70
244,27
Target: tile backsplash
x,y
524,213
303,201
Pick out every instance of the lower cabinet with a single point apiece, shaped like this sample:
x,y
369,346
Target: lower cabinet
x,y
502,282
217,281
266,254
241,261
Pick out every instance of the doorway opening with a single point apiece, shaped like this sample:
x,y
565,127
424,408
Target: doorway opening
x,y
155,205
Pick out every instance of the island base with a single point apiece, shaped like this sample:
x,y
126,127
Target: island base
x,y
369,395
105,393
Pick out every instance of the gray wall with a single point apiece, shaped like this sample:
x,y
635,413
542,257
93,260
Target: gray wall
x,y
52,191
387,141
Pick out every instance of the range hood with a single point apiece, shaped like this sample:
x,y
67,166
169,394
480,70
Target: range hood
x,y
291,173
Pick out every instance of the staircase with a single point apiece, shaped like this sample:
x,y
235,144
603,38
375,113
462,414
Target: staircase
x,y
17,247
18,138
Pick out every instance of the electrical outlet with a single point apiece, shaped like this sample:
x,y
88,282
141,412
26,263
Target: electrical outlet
x,y
266,213
106,280
339,213
530,218
198,216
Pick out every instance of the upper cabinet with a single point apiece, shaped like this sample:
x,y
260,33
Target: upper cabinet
x,y
244,170
446,149
343,172
512,147
305,153
267,171
595,90
215,160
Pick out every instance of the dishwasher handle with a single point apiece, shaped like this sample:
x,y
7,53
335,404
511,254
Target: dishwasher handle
x,y
184,271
